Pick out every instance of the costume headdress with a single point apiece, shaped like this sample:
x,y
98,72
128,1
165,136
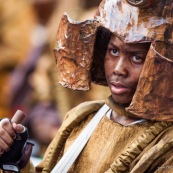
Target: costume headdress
x,y
82,45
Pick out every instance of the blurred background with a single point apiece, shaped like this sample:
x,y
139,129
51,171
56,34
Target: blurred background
x,y
28,77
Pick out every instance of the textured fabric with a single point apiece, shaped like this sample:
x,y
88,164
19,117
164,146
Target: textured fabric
x,y
106,145
113,148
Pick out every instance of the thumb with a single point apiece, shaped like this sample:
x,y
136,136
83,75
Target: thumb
x,y
19,128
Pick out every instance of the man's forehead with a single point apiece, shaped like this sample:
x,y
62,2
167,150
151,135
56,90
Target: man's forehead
x,y
116,41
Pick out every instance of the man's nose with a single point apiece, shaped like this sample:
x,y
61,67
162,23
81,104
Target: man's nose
x,y
120,68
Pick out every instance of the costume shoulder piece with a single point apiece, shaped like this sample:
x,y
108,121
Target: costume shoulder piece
x,y
84,108
72,118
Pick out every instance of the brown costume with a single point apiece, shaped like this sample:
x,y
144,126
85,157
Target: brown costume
x,y
77,53
136,148
143,147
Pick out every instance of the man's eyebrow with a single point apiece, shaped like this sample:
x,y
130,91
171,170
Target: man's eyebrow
x,y
111,43
132,48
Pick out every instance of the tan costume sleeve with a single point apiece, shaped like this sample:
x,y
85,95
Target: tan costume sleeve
x,y
158,155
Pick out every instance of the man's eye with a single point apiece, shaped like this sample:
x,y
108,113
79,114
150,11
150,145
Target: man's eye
x,y
137,59
114,52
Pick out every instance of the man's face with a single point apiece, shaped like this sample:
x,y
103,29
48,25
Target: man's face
x,y
123,65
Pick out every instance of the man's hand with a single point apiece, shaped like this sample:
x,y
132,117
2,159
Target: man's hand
x,y
8,131
15,151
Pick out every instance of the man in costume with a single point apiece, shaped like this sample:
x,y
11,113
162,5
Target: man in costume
x,y
128,46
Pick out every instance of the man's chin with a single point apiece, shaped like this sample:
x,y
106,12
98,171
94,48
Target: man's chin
x,y
121,100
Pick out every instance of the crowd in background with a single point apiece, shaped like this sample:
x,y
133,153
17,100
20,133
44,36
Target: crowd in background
x,y
28,78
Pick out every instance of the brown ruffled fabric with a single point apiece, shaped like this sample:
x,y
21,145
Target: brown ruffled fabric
x,y
121,165
157,156
126,158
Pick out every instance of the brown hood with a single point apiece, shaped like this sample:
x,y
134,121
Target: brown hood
x,y
82,46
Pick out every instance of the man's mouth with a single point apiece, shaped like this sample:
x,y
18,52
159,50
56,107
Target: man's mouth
x,y
118,88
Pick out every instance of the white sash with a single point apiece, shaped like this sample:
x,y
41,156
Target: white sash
x,y
70,156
